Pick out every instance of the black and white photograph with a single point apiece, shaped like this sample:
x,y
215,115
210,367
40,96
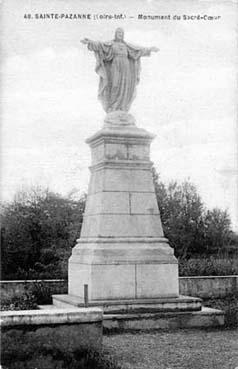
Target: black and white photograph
x,y
119,184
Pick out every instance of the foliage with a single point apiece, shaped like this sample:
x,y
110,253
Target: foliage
x,y
189,226
37,294
28,301
42,293
208,266
39,228
229,305
35,356
217,223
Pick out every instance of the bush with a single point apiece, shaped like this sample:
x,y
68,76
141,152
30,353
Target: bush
x,y
229,305
208,266
27,301
190,227
38,230
38,294
41,292
42,358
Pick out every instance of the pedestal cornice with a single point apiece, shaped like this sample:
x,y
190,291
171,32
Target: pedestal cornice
x,y
120,133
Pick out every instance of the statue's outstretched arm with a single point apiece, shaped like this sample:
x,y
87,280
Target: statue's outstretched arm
x,y
85,41
136,52
146,51
92,45
154,49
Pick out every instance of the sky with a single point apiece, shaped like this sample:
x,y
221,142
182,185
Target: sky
x,y
187,94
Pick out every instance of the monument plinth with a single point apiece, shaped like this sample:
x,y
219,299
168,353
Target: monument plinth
x,y
122,252
122,255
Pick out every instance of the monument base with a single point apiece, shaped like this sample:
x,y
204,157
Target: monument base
x,y
129,306
128,268
204,318
122,262
149,314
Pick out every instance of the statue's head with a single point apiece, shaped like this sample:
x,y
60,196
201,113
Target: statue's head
x,y
119,34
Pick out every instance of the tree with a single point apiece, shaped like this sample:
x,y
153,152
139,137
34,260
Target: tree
x,y
190,228
39,228
218,229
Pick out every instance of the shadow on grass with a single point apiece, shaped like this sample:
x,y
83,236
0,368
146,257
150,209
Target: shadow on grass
x,y
55,359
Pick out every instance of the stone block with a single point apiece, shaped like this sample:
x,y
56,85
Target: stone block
x,y
139,152
107,202
116,151
148,322
113,282
143,203
131,306
78,276
122,225
123,180
121,273
66,330
104,281
122,251
96,183
157,280
97,154
131,180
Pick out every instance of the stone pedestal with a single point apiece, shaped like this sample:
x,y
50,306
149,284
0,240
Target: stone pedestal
x,y
122,253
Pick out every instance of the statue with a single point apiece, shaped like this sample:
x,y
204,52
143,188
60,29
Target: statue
x,y
118,66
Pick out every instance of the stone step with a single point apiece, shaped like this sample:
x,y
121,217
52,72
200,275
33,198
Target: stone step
x,y
170,304
204,318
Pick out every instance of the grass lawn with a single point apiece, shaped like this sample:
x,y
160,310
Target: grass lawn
x,y
185,349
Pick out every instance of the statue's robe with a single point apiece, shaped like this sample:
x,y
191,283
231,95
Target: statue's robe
x,y
118,66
